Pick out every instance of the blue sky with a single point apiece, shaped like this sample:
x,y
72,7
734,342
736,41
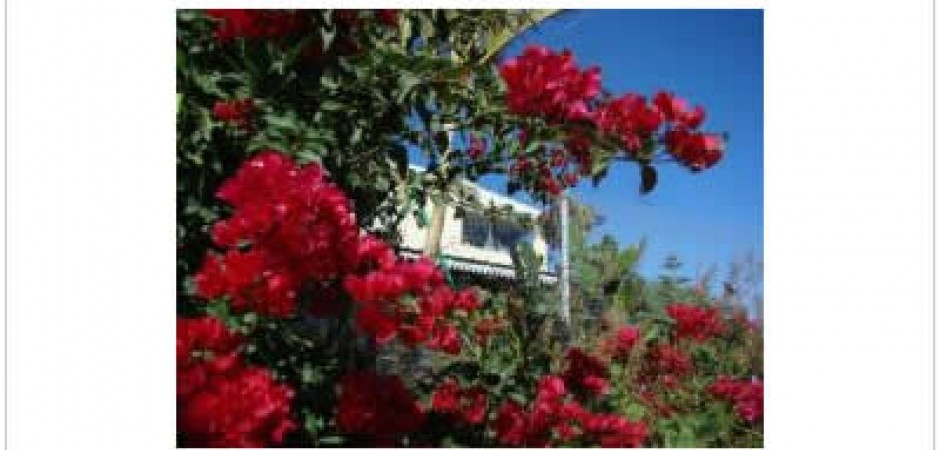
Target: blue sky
x,y
712,57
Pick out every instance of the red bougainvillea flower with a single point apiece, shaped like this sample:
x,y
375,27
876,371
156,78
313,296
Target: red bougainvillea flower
x,y
578,146
466,300
517,426
248,281
203,334
235,112
551,387
388,17
244,408
203,346
697,151
664,367
468,405
746,395
619,345
547,84
586,372
670,359
473,407
377,405
291,228
630,118
299,228
551,186
551,420
445,338
671,106
446,398
374,323
255,23
347,18
222,402
676,110
384,315
510,425
612,431
695,322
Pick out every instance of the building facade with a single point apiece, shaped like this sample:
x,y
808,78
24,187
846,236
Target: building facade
x,y
474,246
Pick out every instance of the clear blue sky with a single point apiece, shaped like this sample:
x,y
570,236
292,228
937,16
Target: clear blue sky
x,y
712,57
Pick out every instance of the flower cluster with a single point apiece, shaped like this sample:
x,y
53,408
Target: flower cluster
x,y
291,232
204,338
550,169
665,363
235,112
467,405
377,406
222,402
410,299
619,345
204,346
675,111
746,395
695,322
698,151
255,23
635,121
387,17
587,372
553,419
547,84
258,25
613,431
299,227
630,118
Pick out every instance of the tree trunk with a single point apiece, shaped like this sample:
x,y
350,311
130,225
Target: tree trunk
x,y
432,246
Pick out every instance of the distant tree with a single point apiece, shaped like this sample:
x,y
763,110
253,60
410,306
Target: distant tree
x,y
744,284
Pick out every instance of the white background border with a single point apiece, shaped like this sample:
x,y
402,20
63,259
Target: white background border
x,y
848,241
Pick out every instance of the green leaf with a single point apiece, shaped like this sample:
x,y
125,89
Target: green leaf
x,y
312,423
686,437
421,217
652,333
306,156
648,179
331,105
306,374
407,84
635,411
331,440
599,173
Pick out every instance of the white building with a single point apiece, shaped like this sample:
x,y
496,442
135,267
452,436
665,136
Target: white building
x,y
474,244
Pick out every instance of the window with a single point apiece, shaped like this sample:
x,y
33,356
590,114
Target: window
x,y
478,231
507,235
475,230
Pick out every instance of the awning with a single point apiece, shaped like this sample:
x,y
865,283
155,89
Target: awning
x,y
461,264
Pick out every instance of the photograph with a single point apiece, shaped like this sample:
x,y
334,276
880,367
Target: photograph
x,y
470,228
